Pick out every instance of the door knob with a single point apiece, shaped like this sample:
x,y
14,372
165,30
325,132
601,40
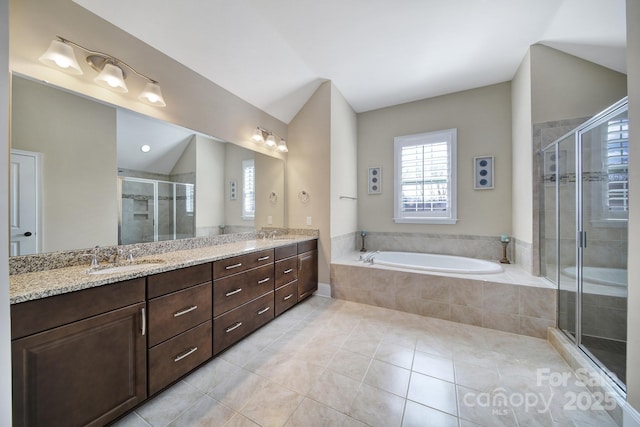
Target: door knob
x,y
27,234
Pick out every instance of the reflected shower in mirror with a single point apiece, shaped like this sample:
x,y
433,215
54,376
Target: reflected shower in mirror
x,y
85,155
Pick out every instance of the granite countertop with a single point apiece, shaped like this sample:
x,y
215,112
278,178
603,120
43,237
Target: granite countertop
x,y
41,284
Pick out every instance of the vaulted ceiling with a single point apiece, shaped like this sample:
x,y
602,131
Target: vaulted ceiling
x,y
275,53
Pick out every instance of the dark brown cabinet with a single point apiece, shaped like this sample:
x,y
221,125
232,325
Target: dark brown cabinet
x,y
180,327
88,357
87,372
307,268
242,296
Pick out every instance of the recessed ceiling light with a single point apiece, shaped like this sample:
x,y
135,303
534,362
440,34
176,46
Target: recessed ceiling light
x,y
145,148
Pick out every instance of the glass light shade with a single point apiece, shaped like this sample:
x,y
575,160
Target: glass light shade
x,y
152,95
61,56
271,140
112,78
257,135
282,146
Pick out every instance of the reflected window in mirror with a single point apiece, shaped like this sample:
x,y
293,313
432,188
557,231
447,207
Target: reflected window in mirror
x,y
248,189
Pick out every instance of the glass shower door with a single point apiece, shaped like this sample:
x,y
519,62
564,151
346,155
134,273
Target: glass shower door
x,y
602,229
137,216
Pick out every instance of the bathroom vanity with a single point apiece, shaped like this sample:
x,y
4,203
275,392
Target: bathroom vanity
x,y
88,356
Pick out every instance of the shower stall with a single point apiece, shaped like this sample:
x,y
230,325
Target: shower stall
x,y
583,235
153,210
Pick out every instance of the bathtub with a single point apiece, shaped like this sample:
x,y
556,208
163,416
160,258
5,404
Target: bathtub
x,y
596,280
433,262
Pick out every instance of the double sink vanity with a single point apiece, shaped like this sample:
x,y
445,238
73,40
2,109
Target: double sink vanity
x,y
90,345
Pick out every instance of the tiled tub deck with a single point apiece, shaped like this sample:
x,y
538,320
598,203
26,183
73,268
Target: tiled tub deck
x,y
512,301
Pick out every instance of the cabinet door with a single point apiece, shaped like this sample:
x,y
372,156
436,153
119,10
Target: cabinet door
x,y
86,373
307,274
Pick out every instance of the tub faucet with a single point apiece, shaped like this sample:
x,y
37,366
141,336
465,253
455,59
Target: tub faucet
x,y
368,258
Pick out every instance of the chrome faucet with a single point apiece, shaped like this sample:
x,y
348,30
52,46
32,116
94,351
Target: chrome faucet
x,y
368,257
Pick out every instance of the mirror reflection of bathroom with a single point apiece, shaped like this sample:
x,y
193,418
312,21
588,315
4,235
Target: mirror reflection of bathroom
x,y
80,149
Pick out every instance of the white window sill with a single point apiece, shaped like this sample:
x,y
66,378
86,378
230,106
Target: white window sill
x,y
425,220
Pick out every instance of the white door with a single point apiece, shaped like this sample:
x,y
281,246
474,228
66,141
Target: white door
x,y
24,202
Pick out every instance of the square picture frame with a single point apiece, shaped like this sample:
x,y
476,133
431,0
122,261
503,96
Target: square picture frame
x,y
483,173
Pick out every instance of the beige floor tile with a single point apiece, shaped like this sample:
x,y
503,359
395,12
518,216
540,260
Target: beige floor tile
x,y
377,408
477,406
394,354
131,420
272,405
433,366
433,392
312,413
297,375
416,415
205,413
240,421
363,345
435,345
211,374
388,377
237,389
352,365
334,390
169,404
477,377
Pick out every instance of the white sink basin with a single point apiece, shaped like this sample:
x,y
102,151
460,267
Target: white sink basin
x,y
129,266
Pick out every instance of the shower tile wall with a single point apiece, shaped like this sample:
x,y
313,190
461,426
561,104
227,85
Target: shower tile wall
x,y
137,212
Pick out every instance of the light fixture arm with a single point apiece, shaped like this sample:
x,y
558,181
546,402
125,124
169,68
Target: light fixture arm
x,y
107,57
267,132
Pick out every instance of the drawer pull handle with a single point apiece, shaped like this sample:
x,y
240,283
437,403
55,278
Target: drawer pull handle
x,y
228,294
287,297
260,282
188,353
144,321
287,271
236,326
180,313
264,310
231,267
264,258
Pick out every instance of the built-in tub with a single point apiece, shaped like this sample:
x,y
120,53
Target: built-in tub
x,y
596,280
435,262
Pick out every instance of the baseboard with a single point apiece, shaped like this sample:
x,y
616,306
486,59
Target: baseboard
x,y
324,290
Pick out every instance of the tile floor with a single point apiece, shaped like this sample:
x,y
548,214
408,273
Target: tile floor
x,y
330,362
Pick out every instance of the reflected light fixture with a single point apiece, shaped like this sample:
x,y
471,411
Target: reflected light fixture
x,y
145,148
111,70
270,141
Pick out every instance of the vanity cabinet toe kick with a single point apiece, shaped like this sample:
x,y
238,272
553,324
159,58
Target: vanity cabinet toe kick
x,y
111,347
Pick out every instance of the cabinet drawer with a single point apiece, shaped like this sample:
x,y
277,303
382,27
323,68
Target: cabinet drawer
x,y
286,271
174,313
233,291
236,324
237,264
286,297
307,246
39,315
174,358
282,252
171,281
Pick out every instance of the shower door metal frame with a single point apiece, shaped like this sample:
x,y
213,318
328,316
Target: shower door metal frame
x,y
581,237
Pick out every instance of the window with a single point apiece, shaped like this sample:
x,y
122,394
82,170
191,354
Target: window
x,y
425,178
617,166
190,198
248,189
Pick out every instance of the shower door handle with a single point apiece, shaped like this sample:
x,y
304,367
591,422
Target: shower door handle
x,y
582,239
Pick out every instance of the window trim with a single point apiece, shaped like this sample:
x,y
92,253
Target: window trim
x,y
450,137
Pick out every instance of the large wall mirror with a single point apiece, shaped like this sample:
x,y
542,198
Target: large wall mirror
x,y
84,173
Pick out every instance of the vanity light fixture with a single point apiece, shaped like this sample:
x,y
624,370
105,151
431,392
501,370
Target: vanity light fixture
x,y
111,70
259,137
